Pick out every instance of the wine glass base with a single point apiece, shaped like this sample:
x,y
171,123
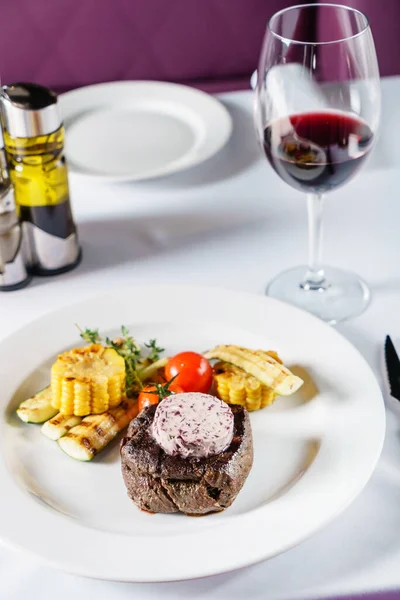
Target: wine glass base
x,y
344,296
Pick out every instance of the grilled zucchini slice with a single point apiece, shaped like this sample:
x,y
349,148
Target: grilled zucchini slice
x,y
87,381
59,425
261,365
151,370
94,432
38,408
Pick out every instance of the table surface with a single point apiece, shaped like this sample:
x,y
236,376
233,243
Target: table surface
x,y
232,223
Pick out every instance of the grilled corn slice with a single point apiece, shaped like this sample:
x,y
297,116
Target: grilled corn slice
x,y
93,434
262,365
59,425
38,408
235,386
87,380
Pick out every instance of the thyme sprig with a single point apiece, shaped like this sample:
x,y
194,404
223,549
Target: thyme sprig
x,y
162,390
131,352
90,335
155,350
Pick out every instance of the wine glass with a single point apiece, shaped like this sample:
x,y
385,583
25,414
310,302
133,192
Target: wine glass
x,y
317,114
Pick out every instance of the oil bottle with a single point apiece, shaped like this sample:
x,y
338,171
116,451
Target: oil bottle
x,y
34,143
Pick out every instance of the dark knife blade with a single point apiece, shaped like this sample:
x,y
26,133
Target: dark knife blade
x,y
393,368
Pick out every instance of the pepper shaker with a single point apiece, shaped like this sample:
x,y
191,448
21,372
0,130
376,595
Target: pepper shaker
x,y
13,274
34,143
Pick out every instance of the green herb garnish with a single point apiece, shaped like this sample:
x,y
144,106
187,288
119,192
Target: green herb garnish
x,y
90,335
155,351
130,350
163,391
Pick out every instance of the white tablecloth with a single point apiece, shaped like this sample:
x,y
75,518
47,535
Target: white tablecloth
x,y
231,222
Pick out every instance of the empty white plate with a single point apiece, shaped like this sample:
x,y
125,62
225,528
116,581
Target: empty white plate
x,y
133,130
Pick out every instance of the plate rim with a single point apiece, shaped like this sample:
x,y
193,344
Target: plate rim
x,y
224,119
130,577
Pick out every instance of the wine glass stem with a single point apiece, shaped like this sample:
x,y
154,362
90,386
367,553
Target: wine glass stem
x,y
315,276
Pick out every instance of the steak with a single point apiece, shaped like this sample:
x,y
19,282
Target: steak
x,y
158,482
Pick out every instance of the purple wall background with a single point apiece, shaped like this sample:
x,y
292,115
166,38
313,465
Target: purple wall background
x,y
213,44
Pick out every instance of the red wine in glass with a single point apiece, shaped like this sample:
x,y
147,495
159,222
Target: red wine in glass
x,y
317,108
316,152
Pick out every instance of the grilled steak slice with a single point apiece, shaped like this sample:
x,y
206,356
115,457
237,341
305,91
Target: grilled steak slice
x,y
157,482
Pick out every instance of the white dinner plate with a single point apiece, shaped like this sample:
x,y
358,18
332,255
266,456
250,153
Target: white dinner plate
x,y
134,130
313,452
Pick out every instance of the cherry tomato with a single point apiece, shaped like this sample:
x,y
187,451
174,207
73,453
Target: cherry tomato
x,y
149,394
175,388
147,397
193,372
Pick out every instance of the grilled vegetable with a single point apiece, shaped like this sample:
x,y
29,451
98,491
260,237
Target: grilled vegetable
x,y
38,408
151,370
235,386
87,380
261,365
59,425
94,432
138,367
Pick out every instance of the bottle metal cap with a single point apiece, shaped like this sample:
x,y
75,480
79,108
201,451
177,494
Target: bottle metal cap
x,y
29,110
